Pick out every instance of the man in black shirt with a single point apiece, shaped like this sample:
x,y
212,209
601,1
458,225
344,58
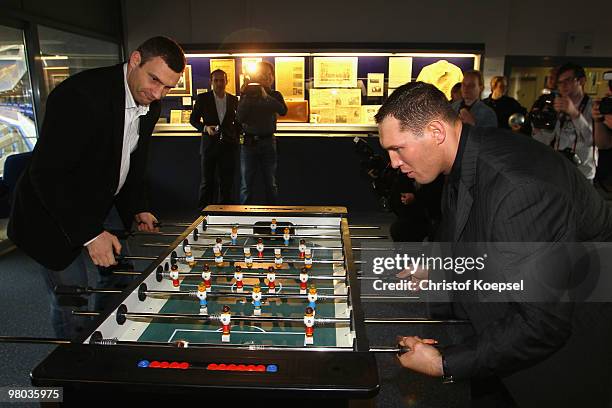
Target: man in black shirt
x,y
503,105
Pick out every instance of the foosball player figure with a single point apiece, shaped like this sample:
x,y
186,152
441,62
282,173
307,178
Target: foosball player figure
x,y
273,226
302,247
278,258
248,258
271,275
286,236
238,277
189,258
234,235
312,297
218,245
174,275
260,247
308,258
218,258
201,294
206,275
256,295
185,244
303,281
309,323
226,320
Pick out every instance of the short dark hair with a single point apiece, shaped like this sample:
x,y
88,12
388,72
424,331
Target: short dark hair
x,y
218,71
165,48
415,104
576,69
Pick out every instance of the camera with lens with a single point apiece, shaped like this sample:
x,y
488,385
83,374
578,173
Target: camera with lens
x,y
605,106
571,156
543,115
377,168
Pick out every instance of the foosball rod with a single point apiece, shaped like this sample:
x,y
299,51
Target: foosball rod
x,y
238,225
226,235
233,259
253,347
213,318
261,275
239,295
228,245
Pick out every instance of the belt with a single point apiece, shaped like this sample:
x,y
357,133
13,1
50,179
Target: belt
x,y
255,138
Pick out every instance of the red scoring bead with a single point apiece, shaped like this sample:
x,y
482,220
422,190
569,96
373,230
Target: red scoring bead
x,y
251,367
260,368
184,366
164,364
231,367
154,364
241,367
212,367
174,364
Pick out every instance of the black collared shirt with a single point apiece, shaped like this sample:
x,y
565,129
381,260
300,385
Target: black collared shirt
x,y
451,188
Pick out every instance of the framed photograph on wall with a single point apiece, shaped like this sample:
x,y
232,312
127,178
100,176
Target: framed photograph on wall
x,y
183,87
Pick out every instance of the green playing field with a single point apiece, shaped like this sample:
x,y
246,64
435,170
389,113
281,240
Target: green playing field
x,y
261,333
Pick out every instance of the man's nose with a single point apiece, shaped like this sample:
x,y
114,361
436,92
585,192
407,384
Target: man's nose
x,y
395,160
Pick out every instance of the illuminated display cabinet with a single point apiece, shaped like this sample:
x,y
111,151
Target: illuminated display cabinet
x,y
330,92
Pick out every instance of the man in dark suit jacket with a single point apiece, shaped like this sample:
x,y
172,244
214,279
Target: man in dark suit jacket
x,y
90,159
214,114
502,187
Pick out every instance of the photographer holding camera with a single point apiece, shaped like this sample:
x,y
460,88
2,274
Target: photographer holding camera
x,y
257,111
565,121
602,117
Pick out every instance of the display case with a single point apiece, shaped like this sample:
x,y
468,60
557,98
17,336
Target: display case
x,y
325,90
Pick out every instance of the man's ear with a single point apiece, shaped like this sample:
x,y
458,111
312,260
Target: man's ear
x,y
437,130
135,59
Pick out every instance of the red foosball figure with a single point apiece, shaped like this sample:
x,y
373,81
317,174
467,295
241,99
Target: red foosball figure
x,y
271,275
174,275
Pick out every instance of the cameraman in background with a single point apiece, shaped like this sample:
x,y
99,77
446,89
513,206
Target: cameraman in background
x,y
602,133
417,207
565,122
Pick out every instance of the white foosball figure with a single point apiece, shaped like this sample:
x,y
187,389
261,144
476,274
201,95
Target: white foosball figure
x,y
309,321
226,320
189,258
248,258
312,298
278,258
207,276
174,275
303,281
286,236
234,235
201,294
260,247
308,258
302,247
238,277
256,296
218,247
271,275
273,226
218,257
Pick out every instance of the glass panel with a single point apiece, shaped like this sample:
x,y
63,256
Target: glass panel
x,y
64,54
17,123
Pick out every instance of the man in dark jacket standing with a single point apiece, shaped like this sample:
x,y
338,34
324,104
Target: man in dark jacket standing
x,y
214,114
90,163
257,112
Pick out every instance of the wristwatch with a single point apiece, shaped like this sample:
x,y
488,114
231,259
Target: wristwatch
x,y
447,377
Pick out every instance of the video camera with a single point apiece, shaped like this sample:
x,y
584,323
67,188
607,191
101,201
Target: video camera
x,y
605,106
543,115
252,89
378,169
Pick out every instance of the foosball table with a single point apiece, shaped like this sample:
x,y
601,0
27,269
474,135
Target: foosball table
x,y
246,298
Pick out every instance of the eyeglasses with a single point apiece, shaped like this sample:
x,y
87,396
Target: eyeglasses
x,y
566,81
